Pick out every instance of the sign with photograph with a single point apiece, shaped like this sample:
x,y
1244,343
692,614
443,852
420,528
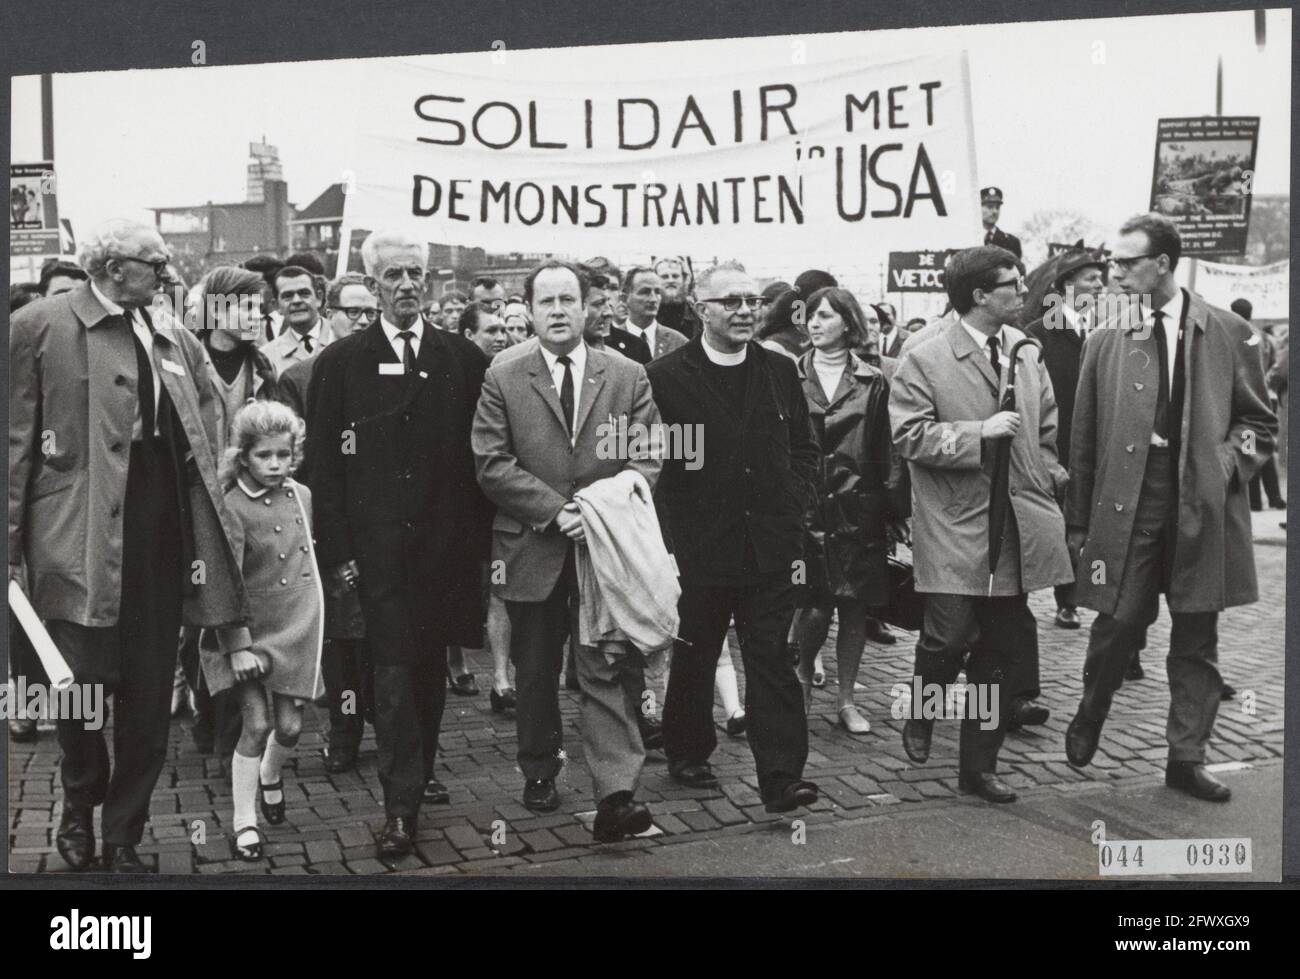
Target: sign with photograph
x,y
33,210
1204,171
917,271
727,155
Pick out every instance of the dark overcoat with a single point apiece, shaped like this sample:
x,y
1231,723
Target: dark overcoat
x,y
393,479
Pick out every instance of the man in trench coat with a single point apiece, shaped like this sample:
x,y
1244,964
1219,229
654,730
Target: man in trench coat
x,y
1171,420
117,526
943,408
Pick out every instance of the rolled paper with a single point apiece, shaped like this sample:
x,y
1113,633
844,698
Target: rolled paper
x,y
56,667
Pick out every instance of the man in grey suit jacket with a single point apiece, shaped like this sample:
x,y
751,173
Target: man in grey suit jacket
x,y
536,440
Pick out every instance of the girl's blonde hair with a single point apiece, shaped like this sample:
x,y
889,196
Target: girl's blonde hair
x,y
258,420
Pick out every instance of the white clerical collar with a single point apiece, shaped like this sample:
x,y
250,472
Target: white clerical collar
x,y
113,308
391,331
724,359
577,357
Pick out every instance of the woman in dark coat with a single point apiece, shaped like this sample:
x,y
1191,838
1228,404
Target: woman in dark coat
x,y
859,508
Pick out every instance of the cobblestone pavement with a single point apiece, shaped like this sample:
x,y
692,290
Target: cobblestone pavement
x,y
485,829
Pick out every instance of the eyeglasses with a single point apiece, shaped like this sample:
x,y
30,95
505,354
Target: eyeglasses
x,y
394,273
356,312
1017,283
733,303
159,266
1128,263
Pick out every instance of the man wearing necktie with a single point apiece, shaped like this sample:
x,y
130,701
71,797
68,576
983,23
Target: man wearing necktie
x,y
116,522
537,441
399,516
643,338
1171,420
944,408
307,333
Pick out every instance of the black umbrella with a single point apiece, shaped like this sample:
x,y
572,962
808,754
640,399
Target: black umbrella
x,y
999,499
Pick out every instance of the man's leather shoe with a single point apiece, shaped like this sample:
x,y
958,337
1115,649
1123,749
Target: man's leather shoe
x,y
436,794
340,758
619,816
1067,618
795,795
987,786
397,838
1228,692
76,837
1081,739
877,631
464,685
22,730
1024,713
736,724
540,795
652,733
695,776
123,860
916,740
1192,778
1134,670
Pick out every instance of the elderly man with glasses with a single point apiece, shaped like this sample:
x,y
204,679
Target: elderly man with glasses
x,y
114,510
735,526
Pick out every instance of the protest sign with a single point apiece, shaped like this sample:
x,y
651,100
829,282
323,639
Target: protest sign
x,y
917,271
732,156
1204,171
33,210
1268,287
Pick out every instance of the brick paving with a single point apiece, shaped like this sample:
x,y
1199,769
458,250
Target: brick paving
x,y
332,819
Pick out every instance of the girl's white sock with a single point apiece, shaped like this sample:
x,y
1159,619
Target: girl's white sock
x,y
273,759
243,786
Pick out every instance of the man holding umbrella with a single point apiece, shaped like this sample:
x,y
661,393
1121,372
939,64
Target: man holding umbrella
x,y
947,411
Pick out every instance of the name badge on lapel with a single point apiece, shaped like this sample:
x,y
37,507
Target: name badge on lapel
x,y
391,369
173,367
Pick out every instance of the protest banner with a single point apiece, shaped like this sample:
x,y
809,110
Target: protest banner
x,y
1268,287
742,155
33,210
1204,172
917,271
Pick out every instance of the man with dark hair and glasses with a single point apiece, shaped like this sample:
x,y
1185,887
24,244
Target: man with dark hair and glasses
x,y
944,406
735,526
1171,420
299,301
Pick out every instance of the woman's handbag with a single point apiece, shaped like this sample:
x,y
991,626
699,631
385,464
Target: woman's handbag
x,y
906,608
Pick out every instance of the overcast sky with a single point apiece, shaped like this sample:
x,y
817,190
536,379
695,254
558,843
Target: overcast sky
x,y
1064,112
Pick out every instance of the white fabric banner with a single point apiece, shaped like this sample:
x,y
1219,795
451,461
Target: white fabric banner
x,y
1268,287
673,150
